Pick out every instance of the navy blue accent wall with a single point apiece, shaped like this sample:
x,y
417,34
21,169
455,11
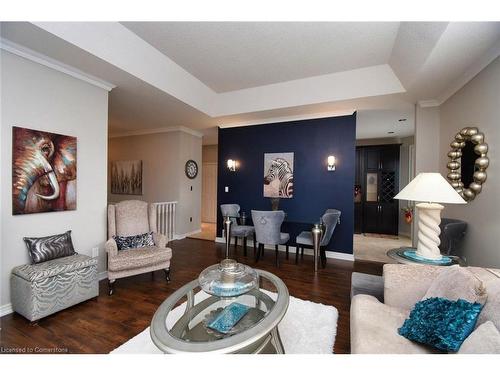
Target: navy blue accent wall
x,y
315,189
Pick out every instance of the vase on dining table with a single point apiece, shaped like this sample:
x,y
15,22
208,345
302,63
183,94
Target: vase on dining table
x,y
275,202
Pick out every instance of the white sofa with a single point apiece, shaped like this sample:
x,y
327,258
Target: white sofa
x,y
374,325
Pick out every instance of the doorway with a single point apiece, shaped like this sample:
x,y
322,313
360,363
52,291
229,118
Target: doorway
x,y
208,194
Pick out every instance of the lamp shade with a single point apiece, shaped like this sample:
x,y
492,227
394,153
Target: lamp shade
x,y
432,188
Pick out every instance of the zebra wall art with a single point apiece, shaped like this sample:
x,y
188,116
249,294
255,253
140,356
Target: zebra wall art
x,y
278,175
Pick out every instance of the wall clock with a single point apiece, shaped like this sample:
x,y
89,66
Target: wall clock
x,y
191,169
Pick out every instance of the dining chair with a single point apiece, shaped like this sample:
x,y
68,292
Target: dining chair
x,y
238,231
330,219
267,226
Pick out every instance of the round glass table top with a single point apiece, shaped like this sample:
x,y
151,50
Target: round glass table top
x,y
406,255
189,329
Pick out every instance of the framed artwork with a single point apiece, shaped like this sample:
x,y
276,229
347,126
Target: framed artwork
x,y
43,171
126,177
278,175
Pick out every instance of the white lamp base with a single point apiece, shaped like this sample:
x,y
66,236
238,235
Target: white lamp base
x,y
429,218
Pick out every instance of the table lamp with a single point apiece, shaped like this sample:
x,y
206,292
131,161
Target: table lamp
x,y
430,189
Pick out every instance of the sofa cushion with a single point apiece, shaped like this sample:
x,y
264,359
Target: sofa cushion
x,y
491,310
41,271
42,249
134,242
374,328
457,283
484,340
441,323
139,258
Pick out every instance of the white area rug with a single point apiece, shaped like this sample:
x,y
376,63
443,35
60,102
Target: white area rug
x,y
307,328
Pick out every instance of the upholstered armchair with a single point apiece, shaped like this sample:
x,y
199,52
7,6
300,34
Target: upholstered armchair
x,y
130,218
237,230
330,219
267,226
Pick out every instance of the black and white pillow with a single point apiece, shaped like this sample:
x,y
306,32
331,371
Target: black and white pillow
x,y
133,242
42,249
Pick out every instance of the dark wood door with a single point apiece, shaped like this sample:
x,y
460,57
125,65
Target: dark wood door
x,y
372,159
388,218
371,217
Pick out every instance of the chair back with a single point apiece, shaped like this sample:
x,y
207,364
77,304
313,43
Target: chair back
x,y
330,219
451,236
130,218
267,226
230,210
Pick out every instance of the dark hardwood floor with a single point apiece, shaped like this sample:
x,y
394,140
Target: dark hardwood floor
x,y
101,325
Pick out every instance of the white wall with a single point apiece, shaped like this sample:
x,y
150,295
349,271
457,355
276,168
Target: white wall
x,y
164,156
38,97
477,104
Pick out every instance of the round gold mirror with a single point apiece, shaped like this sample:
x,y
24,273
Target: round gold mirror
x,y
468,162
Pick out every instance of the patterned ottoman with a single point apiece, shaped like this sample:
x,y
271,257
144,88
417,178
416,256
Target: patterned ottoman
x,y
38,290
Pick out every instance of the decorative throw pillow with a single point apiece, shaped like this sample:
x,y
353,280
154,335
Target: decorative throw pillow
x,y
491,310
484,340
441,323
133,242
42,249
455,283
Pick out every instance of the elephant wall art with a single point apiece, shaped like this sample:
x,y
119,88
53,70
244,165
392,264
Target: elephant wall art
x,y
43,171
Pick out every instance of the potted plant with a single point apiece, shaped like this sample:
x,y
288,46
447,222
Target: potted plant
x,y
408,212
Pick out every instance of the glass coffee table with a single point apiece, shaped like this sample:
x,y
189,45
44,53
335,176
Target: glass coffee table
x,y
256,332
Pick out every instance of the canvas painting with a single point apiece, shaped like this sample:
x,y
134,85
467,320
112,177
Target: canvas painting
x,y
43,171
126,177
278,175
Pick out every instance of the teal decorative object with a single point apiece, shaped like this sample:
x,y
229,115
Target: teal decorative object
x,y
441,323
231,315
411,254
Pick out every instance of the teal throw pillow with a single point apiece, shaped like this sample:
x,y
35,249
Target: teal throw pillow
x,y
441,323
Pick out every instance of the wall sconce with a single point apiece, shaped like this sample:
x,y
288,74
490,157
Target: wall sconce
x,y
231,165
331,163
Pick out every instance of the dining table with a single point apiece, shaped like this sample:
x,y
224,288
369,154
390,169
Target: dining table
x,y
291,226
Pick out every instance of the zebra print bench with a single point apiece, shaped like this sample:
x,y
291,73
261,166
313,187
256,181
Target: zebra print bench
x,y
39,290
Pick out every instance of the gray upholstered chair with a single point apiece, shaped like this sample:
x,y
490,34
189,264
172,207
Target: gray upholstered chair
x,y
237,231
452,233
330,219
267,226
130,218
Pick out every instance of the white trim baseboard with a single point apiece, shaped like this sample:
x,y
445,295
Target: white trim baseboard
x,y
184,235
102,275
329,254
6,309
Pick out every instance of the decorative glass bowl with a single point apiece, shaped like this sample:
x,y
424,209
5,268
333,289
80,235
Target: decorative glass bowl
x,y
228,279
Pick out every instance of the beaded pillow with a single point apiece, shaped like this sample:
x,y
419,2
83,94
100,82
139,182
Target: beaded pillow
x,y
134,242
441,323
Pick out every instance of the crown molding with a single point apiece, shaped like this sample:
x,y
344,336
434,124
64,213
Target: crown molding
x,y
271,120
429,103
471,72
29,54
132,133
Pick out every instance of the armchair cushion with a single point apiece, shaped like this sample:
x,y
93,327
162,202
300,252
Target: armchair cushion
x,y
484,340
455,283
160,240
139,258
405,285
134,242
374,328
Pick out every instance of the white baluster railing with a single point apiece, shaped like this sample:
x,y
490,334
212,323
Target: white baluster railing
x,y
165,218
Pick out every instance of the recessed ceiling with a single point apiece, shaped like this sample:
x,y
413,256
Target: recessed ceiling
x,y
229,56
202,75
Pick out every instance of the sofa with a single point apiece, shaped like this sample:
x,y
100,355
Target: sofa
x,y
130,218
374,325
